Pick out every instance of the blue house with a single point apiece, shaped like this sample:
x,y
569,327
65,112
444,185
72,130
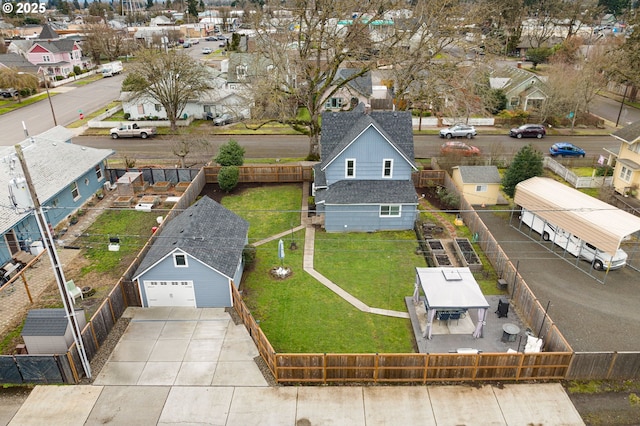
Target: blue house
x,y
363,182
64,175
195,258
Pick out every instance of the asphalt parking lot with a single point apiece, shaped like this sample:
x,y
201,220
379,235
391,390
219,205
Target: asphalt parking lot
x,y
592,316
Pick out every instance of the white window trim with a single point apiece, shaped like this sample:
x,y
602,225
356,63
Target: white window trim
x,y
77,190
384,162
481,188
99,174
624,171
346,168
399,206
175,262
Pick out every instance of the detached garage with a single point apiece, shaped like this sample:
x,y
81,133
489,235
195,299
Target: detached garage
x,y
195,259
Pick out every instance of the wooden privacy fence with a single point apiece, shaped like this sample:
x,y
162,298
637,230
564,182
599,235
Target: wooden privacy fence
x,y
427,178
281,173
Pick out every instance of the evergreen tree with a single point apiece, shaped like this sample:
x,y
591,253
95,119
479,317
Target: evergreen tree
x,y
150,4
230,154
86,4
76,5
526,164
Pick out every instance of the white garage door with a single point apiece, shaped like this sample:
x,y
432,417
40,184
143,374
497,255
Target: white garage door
x,y
170,293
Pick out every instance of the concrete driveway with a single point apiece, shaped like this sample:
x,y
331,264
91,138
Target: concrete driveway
x,y
195,366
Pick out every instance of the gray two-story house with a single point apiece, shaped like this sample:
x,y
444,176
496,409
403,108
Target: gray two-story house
x,y
363,182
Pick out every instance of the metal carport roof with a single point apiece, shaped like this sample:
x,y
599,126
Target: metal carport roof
x,y
586,217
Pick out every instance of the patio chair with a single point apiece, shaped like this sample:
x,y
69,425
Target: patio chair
x,y
503,309
73,291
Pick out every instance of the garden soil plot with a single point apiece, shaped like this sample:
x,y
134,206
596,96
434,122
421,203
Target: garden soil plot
x,y
214,192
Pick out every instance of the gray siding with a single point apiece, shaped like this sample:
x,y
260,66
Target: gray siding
x,y
366,218
210,287
369,150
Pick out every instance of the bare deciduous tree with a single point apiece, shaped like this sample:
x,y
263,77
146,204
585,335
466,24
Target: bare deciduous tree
x,y
185,143
102,41
171,79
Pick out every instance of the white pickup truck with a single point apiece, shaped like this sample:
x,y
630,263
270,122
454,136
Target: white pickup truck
x,y
132,131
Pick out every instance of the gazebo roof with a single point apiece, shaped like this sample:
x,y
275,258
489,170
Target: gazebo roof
x,y
450,288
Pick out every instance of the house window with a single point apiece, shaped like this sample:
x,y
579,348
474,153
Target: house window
x,y
75,192
635,148
387,168
481,188
350,168
180,260
390,211
625,173
514,102
46,58
333,103
86,181
241,72
158,107
98,170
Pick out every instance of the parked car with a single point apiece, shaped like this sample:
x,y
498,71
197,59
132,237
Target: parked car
x,y
194,41
566,149
8,93
206,50
186,45
459,148
528,131
458,130
222,44
211,38
223,120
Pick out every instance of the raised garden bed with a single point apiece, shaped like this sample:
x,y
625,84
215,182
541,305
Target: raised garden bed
x,y
182,186
123,201
162,186
441,260
467,255
435,246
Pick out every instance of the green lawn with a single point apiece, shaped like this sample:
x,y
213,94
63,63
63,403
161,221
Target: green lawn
x,y
132,227
377,268
299,314
269,210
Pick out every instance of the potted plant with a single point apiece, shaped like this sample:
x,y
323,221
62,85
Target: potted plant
x,y
73,219
100,194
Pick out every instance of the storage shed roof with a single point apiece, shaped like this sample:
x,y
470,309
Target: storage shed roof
x,y
588,218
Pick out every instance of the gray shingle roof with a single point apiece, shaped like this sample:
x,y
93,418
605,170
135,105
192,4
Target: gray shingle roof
x,y
362,84
56,46
479,174
319,177
629,134
207,231
13,60
339,129
48,33
371,192
46,322
53,165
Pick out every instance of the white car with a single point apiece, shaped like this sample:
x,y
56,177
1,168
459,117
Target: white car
x,y
458,130
206,50
194,41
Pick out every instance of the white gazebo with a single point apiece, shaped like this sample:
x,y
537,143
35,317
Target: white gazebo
x,y
450,289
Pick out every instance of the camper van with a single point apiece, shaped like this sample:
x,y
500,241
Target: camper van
x,y
572,244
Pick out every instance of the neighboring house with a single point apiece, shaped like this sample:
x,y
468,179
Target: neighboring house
x,y
524,90
47,331
356,91
214,102
626,174
245,68
195,259
528,42
57,56
363,182
20,47
64,175
159,21
479,185
17,62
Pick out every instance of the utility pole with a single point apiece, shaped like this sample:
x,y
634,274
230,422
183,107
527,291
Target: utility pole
x,y
55,263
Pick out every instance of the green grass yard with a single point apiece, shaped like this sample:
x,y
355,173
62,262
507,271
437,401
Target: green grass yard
x,y
269,209
299,314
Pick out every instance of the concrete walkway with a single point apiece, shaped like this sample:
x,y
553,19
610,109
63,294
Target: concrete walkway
x,y
195,366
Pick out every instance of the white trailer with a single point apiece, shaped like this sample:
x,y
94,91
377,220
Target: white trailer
x,y
112,68
572,244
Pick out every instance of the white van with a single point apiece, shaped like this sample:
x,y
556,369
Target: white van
x,y
572,244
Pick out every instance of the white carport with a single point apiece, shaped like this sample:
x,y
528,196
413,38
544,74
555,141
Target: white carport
x,y
450,288
586,217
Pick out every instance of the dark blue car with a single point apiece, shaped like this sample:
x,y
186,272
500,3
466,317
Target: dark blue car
x,y
566,149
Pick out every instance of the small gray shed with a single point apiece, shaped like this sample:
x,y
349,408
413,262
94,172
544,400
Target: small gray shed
x,y
47,331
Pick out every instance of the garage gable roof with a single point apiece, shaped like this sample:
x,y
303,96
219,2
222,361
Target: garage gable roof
x,y
588,218
207,231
